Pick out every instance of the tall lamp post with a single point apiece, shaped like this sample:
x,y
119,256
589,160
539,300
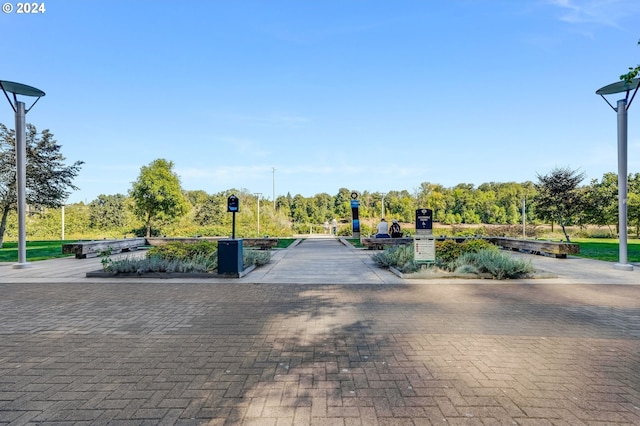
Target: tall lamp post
x,y
621,109
258,194
15,89
273,181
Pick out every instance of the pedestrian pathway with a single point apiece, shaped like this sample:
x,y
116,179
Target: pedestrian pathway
x,y
322,260
296,343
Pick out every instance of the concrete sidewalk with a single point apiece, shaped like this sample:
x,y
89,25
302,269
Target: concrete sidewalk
x,y
323,259
321,351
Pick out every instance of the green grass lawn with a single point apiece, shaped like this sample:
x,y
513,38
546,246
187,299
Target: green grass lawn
x,y
592,248
42,250
285,242
607,249
36,250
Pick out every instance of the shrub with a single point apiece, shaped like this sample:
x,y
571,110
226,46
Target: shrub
x,y
158,264
255,257
180,251
184,258
448,251
142,232
400,257
474,256
500,265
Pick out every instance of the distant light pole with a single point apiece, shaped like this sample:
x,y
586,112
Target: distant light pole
x,y
273,180
383,195
258,194
21,158
524,217
621,109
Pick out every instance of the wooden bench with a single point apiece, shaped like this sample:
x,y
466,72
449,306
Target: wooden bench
x,y
260,243
162,241
84,249
554,248
381,243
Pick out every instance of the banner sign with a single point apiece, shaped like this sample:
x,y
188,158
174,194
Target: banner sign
x,y
424,222
355,204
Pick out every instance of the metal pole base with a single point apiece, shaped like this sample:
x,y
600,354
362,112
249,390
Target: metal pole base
x,y
623,267
24,265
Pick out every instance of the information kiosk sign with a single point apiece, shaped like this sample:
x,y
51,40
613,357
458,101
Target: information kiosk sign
x,y
424,244
355,222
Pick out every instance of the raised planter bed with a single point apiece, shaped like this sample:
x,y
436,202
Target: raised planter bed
x,y
84,249
381,243
260,243
554,248
169,275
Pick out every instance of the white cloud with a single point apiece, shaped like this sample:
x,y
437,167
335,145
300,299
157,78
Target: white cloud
x,y
244,147
598,12
275,119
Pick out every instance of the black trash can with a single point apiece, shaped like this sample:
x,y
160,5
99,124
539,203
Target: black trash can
x,y
230,257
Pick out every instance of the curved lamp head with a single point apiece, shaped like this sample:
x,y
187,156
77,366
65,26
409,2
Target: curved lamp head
x,y
620,87
20,89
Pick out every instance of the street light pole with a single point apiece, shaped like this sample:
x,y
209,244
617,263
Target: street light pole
x,y
21,179
258,194
273,180
21,158
383,195
622,184
621,109
524,217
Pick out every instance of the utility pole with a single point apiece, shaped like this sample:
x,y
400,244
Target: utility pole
x,y
273,171
524,217
258,194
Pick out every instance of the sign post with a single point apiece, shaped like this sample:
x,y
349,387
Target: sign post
x,y
230,259
355,223
424,243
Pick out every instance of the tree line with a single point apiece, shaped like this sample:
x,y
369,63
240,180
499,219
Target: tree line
x,y
156,204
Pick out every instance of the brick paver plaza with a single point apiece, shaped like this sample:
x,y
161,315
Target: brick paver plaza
x,y
319,352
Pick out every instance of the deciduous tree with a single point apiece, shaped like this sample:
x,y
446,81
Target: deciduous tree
x,y
633,73
49,179
157,194
559,196
108,212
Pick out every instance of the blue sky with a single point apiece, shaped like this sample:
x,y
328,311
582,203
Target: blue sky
x,y
361,94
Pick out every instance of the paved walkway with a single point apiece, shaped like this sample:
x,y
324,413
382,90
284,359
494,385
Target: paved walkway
x,y
304,346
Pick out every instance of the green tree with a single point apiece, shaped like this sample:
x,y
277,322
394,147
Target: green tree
x,y
559,196
49,179
207,209
322,207
342,203
400,205
601,206
283,204
633,203
299,209
633,73
432,196
157,194
108,212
